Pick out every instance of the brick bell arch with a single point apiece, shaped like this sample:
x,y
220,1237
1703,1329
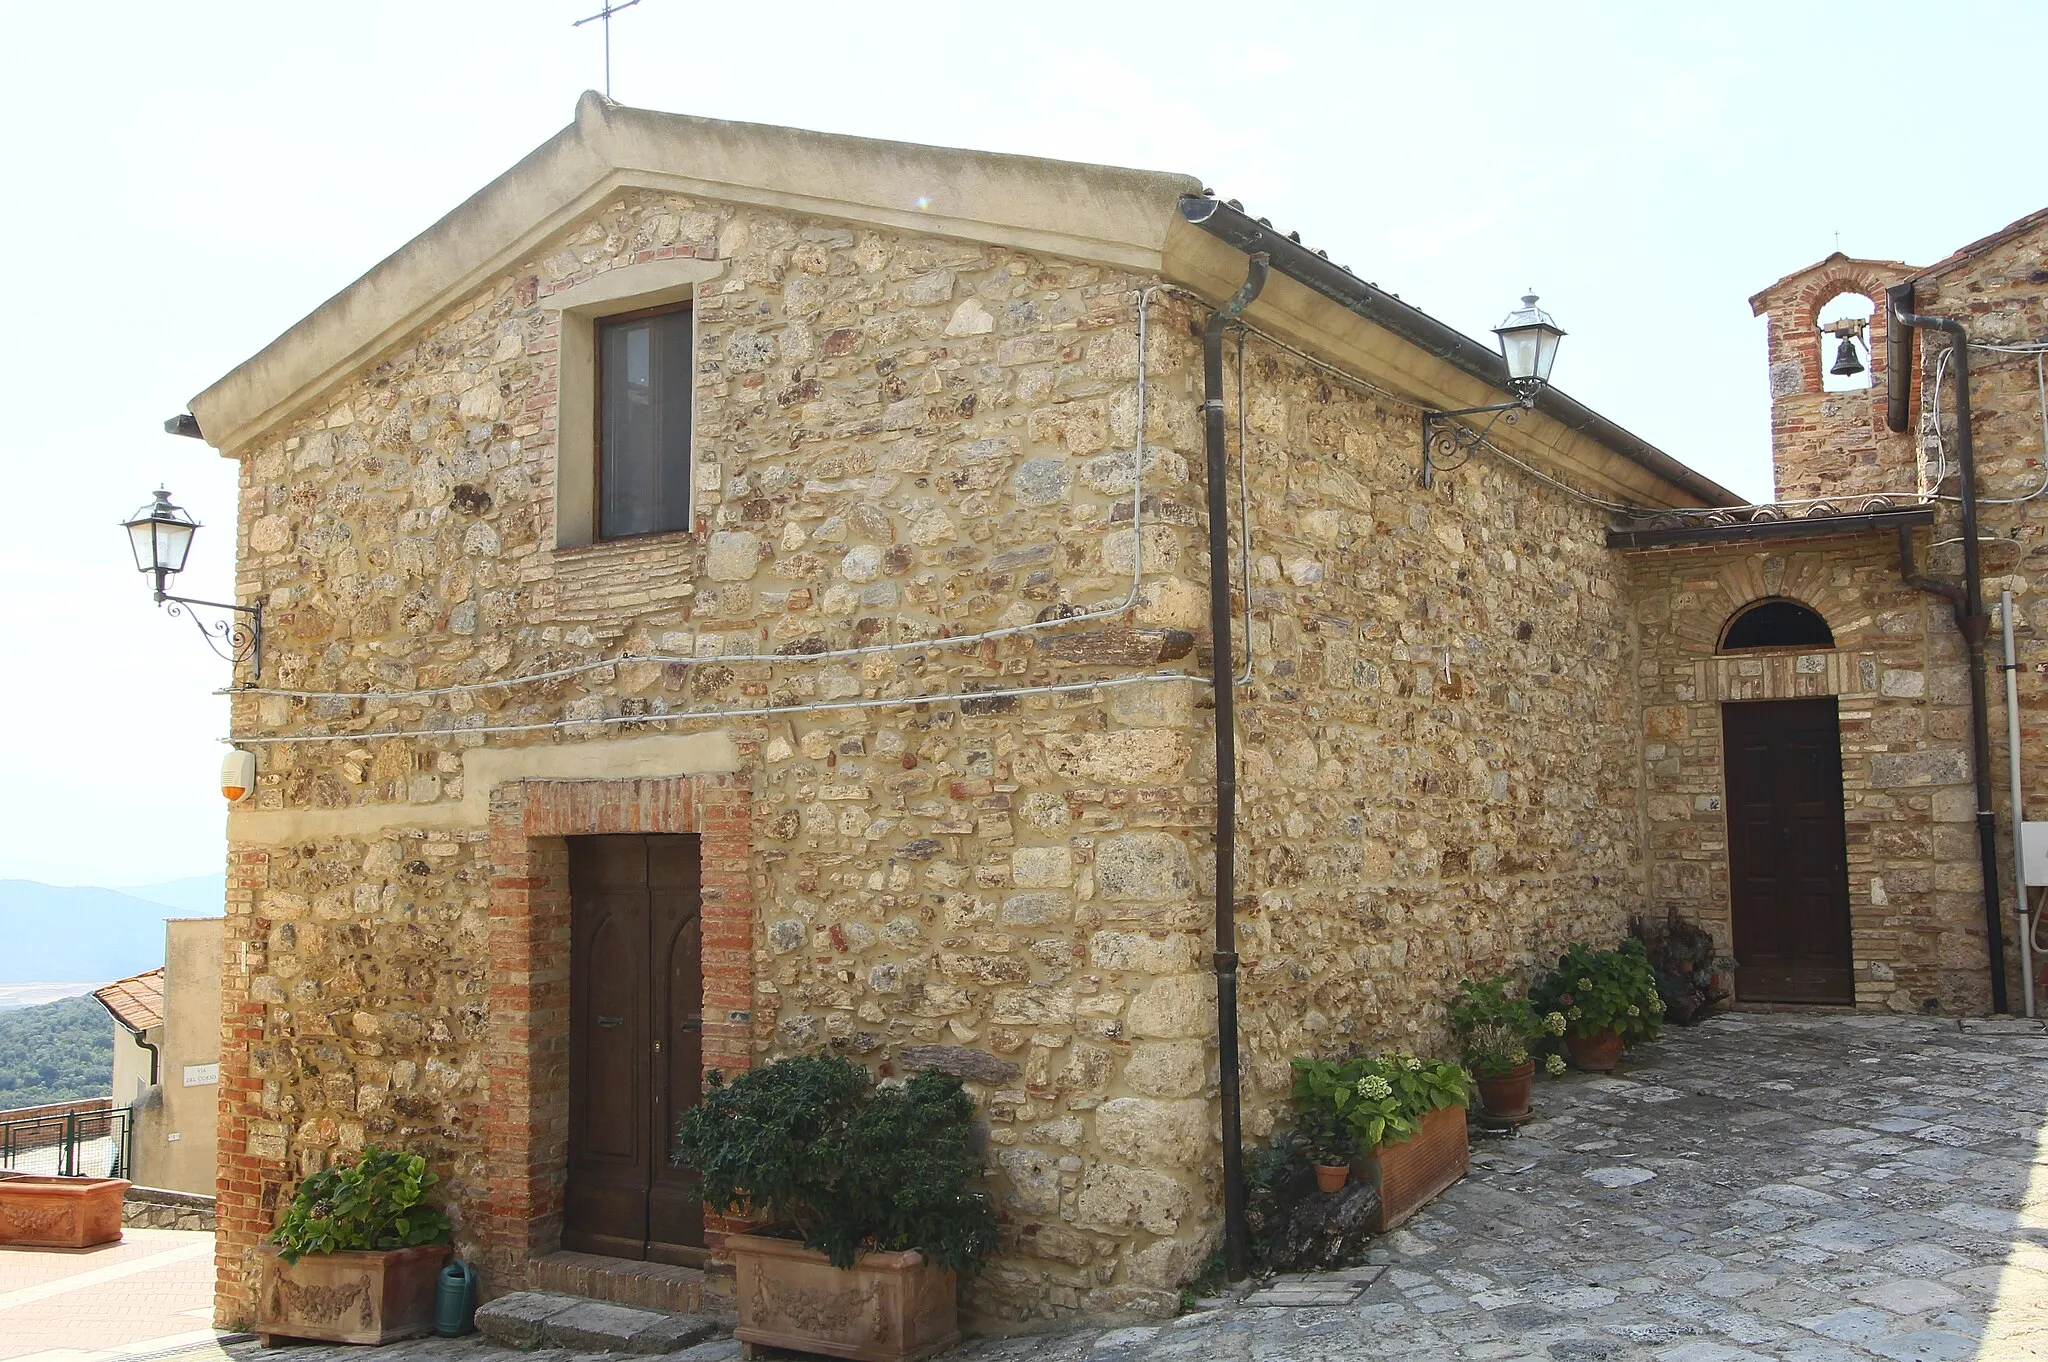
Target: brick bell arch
x,y
526,1136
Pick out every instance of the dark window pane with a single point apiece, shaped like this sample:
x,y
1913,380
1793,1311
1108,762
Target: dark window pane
x,y
1778,624
643,478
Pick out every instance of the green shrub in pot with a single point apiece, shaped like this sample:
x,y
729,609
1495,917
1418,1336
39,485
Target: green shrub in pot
x,y
1596,991
376,1203
813,1144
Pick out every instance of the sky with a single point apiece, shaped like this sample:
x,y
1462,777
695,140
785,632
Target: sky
x,y
185,181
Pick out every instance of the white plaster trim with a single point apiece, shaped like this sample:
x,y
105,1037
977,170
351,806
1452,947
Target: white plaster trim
x,y
645,756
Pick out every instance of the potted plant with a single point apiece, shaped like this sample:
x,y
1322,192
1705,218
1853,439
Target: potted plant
x,y
1422,1148
1322,1096
1406,1115
356,1256
867,1196
1497,1035
1607,998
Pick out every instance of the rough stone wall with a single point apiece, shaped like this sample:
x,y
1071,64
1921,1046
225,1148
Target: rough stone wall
x,y
900,439
1438,761
2000,292
1916,916
1830,444
896,439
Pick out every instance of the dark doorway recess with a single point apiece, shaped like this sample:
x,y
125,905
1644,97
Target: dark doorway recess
x,y
1788,863
636,1003
1776,624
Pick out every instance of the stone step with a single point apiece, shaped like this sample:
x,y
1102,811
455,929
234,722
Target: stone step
x,y
622,1281
542,1319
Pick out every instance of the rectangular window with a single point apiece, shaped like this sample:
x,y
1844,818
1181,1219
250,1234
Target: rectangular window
x,y
644,366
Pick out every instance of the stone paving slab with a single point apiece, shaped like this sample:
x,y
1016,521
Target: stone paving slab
x,y
1763,1188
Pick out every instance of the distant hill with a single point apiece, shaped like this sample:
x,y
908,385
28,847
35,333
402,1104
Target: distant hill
x,y
199,896
55,1052
55,933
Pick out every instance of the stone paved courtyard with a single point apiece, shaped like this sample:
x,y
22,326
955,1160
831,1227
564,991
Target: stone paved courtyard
x,y
1805,1188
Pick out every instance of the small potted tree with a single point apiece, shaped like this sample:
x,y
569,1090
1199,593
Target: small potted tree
x,y
1497,1034
1607,998
355,1258
1322,1097
868,1198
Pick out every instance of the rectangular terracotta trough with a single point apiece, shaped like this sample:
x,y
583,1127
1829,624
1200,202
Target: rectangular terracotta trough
x,y
40,1212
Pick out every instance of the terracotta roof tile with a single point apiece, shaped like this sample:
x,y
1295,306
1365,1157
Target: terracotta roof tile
x,y
137,1003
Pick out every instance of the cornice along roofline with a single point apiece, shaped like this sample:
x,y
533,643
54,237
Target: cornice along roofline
x,y
1122,218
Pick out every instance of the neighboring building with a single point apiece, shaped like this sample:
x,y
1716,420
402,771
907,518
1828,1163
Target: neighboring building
x,y
1832,834
733,591
167,1038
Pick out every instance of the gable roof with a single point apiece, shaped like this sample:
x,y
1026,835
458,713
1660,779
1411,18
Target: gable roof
x,y
1984,243
1758,300
1088,212
1128,219
136,1002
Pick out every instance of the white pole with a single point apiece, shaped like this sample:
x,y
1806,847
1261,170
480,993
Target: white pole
x,y
2019,812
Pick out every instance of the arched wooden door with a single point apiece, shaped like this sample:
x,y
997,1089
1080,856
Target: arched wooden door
x,y
636,1003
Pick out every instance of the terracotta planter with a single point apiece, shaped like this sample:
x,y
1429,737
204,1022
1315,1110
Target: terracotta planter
x,y
1597,1053
887,1307
40,1212
349,1297
1505,1097
1331,1177
1408,1174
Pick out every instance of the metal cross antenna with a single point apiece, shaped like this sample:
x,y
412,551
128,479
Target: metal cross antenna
x,y
606,14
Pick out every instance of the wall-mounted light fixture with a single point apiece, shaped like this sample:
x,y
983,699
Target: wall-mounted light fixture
x,y
160,535
1528,345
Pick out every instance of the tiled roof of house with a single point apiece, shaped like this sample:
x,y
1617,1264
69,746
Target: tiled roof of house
x,y
138,1002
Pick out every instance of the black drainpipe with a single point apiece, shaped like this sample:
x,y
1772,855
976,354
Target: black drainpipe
x,y
1235,1255
1970,617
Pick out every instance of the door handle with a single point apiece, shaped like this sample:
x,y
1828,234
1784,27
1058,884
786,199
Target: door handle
x,y
690,1024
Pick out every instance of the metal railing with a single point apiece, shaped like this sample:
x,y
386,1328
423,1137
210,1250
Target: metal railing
x,y
69,1144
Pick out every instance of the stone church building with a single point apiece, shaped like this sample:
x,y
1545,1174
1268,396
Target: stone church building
x,y
732,591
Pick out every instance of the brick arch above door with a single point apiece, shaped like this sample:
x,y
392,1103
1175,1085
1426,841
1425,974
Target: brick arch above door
x,y
526,1139
1700,613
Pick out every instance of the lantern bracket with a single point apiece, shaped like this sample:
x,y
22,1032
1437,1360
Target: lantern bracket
x,y
1446,438
236,638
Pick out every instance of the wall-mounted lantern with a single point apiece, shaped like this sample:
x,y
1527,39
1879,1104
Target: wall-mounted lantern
x,y
1528,348
160,536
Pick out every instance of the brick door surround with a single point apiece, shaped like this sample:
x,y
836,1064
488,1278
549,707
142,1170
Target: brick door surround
x,y
527,1134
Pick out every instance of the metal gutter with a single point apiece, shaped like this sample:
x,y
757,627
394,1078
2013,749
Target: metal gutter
x,y
1815,527
1446,343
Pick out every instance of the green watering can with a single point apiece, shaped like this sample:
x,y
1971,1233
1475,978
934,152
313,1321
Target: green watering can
x,y
455,1300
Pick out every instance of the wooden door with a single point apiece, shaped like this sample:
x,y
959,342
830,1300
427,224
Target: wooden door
x,y
636,1002
1788,861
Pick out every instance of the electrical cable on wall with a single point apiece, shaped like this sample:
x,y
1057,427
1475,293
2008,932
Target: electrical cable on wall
x,y
755,712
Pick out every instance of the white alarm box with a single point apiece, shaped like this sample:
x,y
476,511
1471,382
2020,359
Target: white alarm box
x,y
2034,852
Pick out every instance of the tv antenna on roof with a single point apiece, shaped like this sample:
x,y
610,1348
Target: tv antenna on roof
x,y
606,14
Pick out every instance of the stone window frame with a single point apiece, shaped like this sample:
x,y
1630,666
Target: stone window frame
x,y
579,308
526,1135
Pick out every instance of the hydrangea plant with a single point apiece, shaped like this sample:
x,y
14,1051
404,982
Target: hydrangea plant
x,y
1380,1100
1595,991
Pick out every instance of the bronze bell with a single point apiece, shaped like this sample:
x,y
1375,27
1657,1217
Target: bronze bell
x,y
1846,362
